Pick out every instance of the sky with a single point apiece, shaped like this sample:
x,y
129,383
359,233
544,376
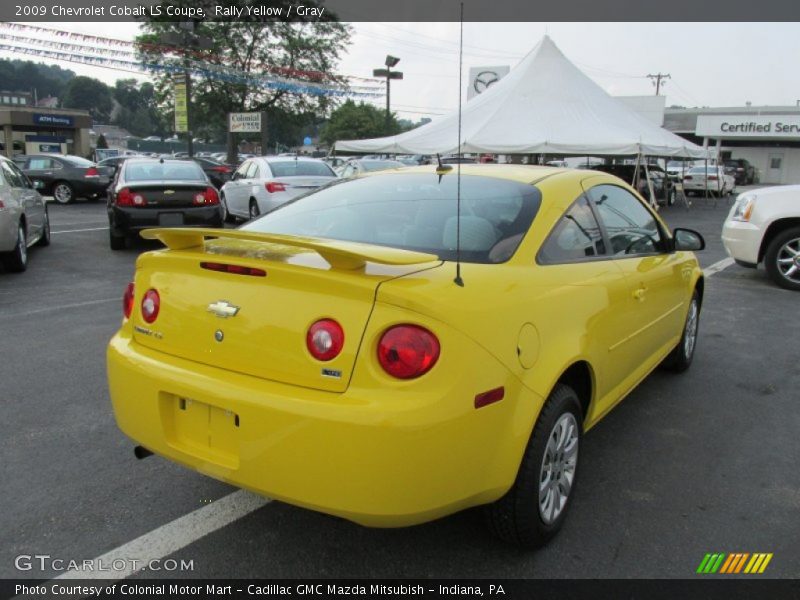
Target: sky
x,y
710,64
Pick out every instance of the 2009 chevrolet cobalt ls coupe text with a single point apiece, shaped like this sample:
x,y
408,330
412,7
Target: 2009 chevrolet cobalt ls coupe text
x,y
325,354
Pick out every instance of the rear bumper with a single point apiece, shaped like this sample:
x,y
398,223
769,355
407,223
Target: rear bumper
x,y
742,241
378,457
134,219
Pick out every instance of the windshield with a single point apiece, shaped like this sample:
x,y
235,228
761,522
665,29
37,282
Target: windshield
x,y
302,168
167,171
415,211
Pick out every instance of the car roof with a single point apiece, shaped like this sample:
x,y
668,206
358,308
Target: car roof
x,y
287,158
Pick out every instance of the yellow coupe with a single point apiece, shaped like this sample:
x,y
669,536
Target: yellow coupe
x,y
381,351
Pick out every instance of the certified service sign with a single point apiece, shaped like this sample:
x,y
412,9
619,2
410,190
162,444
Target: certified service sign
x,y
244,122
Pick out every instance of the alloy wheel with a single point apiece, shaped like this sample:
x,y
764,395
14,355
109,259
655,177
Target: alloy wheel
x,y
690,332
788,260
62,193
557,472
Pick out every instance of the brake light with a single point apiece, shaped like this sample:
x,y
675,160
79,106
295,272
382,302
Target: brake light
x,y
127,198
206,197
151,303
407,351
127,300
325,339
234,269
687,177
221,169
92,172
274,186
712,177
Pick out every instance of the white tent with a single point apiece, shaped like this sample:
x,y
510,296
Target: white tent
x,y
546,105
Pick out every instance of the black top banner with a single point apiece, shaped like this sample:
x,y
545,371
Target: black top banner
x,y
431,589
400,10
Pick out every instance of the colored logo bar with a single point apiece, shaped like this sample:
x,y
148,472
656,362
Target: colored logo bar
x,y
735,562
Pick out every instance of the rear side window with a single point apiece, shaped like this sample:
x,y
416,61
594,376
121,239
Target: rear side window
x,y
168,171
631,228
576,237
415,211
13,177
302,168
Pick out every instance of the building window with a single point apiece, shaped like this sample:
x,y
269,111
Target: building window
x,y
6,100
774,163
14,100
22,101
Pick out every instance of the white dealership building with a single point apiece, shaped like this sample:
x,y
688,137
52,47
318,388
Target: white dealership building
x,y
767,136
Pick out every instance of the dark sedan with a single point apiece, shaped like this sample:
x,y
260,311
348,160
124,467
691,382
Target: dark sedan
x,y
66,177
217,172
160,193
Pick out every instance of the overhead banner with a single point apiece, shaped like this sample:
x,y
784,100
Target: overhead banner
x,y
181,112
244,122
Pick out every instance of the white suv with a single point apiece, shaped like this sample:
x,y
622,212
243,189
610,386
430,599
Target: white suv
x,y
764,226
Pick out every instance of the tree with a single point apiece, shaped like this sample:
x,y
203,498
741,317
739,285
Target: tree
x,y
89,94
353,121
101,142
247,49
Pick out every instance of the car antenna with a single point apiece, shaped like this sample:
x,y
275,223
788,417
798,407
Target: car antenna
x,y
458,281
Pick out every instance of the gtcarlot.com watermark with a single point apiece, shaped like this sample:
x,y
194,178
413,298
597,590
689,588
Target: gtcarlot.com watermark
x,y
46,562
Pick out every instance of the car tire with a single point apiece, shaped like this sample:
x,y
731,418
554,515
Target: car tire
x,y
680,359
523,516
227,217
672,197
117,241
781,259
63,192
254,211
16,261
44,238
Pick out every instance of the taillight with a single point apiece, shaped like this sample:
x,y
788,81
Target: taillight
x,y
127,300
687,177
92,172
221,169
274,186
151,303
325,339
712,177
407,351
206,197
125,197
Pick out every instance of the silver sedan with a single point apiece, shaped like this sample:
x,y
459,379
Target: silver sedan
x,y
23,217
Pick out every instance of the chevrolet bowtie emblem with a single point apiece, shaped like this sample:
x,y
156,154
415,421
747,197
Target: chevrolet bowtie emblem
x,y
223,309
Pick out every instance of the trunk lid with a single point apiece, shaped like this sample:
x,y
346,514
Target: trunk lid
x,y
257,325
298,184
168,194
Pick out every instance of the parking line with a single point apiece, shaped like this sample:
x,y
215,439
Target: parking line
x,y
78,230
718,266
173,536
61,307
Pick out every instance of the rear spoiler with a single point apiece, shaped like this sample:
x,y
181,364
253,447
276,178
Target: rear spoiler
x,y
339,254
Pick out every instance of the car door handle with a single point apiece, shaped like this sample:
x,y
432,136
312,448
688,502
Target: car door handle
x,y
639,293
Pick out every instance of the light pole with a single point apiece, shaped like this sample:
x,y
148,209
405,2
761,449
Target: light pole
x,y
391,61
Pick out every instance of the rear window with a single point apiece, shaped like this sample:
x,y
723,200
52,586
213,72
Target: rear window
x,y
415,211
300,168
380,165
77,161
168,171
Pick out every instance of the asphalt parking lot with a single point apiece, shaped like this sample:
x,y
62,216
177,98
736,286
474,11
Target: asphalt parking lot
x,y
688,464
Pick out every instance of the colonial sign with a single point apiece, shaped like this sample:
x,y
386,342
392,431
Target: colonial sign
x,y
244,122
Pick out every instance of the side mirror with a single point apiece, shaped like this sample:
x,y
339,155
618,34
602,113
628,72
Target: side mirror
x,y
688,240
